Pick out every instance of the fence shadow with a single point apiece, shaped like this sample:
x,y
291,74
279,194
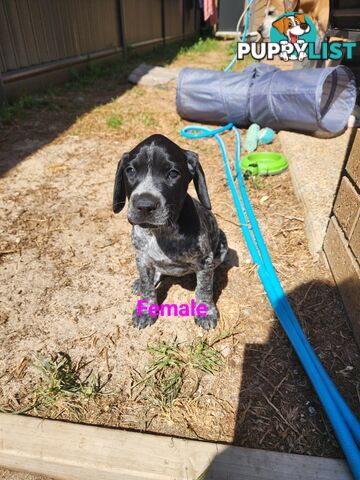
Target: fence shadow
x,y
278,409
43,117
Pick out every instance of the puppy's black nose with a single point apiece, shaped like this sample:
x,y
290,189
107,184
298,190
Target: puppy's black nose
x,y
304,26
146,202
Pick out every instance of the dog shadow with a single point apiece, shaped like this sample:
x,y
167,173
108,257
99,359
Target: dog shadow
x,y
188,282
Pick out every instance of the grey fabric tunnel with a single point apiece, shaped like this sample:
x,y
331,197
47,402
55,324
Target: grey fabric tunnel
x,y
305,100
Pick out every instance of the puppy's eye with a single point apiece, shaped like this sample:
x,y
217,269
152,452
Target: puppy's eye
x,y
173,174
130,171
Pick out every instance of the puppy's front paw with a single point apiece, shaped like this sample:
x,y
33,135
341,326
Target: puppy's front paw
x,y
142,321
209,320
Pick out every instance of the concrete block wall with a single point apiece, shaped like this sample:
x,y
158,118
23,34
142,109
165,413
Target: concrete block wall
x,y
342,239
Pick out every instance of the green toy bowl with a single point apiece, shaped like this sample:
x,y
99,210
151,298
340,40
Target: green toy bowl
x,y
263,163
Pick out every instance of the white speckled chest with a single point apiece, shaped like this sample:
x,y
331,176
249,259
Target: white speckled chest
x,y
170,255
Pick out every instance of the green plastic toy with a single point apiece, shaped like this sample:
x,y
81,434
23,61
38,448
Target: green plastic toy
x,y
263,163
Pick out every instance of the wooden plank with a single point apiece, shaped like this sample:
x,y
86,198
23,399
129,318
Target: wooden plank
x,y
83,452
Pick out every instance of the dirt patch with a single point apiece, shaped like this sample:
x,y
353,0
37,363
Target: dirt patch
x,y
67,267
10,475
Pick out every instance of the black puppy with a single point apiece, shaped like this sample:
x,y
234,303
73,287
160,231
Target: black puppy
x,y
173,234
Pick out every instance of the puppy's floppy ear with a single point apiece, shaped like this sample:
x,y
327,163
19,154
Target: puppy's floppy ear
x,y
119,197
281,24
300,17
291,5
198,175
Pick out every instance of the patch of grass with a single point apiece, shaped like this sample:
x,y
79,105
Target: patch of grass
x,y
9,111
84,79
60,376
258,182
164,355
199,355
119,70
138,90
205,358
114,121
202,46
147,119
171,365
165,386
116,72
231,48
230,51
161,55
61,385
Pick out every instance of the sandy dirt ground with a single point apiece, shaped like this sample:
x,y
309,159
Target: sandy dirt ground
x,y
11,475
67,266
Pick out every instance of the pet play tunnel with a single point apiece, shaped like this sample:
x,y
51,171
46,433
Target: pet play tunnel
x,y
307,100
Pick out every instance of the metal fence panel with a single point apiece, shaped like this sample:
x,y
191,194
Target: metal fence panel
x,y
142,20
173,12
13,14
189,16
40,36
33,32
7,48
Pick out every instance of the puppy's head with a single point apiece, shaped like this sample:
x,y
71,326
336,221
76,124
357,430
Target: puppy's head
x,y
272,11
271,14
154,177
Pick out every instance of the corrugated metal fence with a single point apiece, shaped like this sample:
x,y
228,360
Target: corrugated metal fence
x,y
38,36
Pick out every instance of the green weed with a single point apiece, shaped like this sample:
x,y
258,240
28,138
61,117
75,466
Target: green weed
x,y
202,46
114,121
9,111
205,358
147,119
61,386
172,364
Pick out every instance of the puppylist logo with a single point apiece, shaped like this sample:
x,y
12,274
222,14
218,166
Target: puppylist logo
x,y
293,37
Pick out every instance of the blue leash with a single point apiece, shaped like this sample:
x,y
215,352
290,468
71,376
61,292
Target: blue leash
x,y
343,420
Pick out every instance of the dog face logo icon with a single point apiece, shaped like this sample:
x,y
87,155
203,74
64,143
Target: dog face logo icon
x,y
293,26
293,36
290,30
